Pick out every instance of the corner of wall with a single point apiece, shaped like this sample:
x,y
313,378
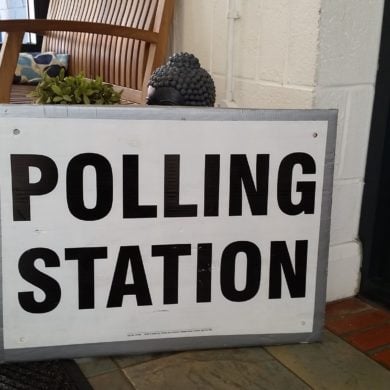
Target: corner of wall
x,y
345,79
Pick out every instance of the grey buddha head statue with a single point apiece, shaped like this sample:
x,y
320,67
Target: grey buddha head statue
x,y
182,82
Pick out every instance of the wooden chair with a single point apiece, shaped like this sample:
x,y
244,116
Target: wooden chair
x,y
122,41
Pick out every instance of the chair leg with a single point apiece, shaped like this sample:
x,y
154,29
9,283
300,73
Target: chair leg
x,y
8,59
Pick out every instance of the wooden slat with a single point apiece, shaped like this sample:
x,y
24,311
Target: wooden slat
x,y
19,94
57,41
142,57
63,13
96,43
148,70
134,47
138,46
123,54
129,95
87,39
102,54
79,48
114,43
116,19
163,14
130,48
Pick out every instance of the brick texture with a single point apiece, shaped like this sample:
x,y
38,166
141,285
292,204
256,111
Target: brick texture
x,y
383,357
363,326
370,339
345,306
357,321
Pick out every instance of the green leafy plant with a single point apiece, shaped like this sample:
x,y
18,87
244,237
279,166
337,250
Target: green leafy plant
x,y
74,90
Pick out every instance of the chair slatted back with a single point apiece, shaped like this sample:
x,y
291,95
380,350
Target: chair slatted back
x,y
120,61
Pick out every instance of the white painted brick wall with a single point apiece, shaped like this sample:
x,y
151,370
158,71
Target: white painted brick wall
x,y
275,48
3,4
343,270
347,64
349,37
303,41
13,9
193,26
16,3
345,210
273,41
251,94
301,54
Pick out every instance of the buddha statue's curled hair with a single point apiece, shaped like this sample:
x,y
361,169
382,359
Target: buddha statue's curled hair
x,y
182,81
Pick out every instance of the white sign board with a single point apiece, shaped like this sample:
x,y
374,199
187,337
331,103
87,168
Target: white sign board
x,y
142,231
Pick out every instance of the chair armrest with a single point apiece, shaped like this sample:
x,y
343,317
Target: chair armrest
x,y
46,25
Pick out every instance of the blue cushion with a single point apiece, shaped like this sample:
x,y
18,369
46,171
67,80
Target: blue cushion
x,y
31,66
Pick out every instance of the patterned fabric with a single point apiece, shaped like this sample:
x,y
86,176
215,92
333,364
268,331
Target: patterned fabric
x,y
31,66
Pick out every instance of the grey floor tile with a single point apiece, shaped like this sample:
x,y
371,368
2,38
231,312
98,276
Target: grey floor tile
x,y
114,380
96,366
229,369
332,364
126,361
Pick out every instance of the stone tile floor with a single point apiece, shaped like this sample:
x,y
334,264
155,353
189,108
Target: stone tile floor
x,y
355,354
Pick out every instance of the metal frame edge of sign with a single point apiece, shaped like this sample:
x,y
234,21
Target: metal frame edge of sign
x,y
197,114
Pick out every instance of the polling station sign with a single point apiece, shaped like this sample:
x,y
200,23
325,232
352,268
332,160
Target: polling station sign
x,y
146,229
